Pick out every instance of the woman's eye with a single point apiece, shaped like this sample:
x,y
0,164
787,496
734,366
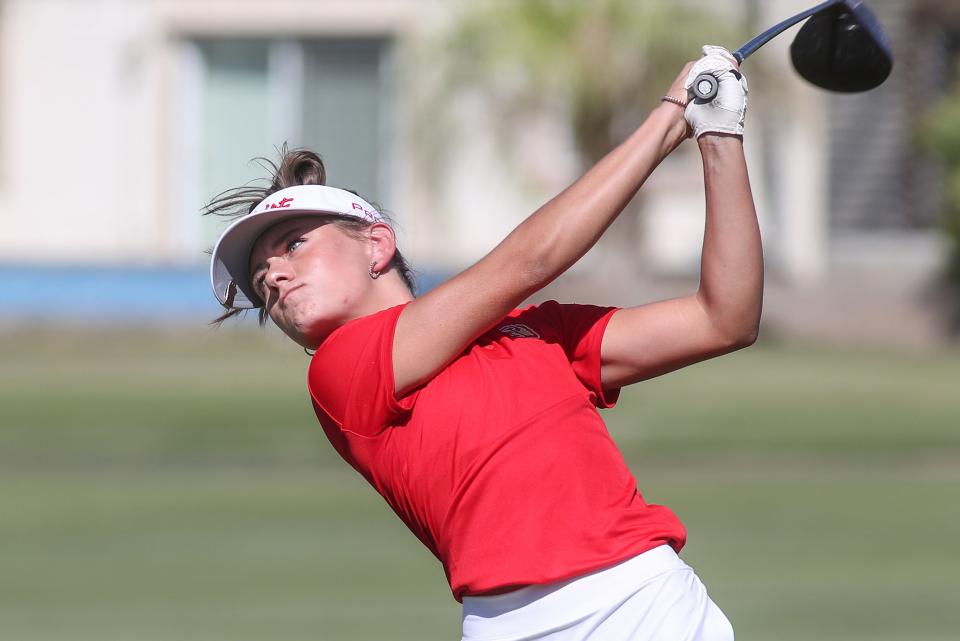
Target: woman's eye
x,y
293,244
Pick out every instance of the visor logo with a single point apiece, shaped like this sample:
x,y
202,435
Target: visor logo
x,y
370,215
283,203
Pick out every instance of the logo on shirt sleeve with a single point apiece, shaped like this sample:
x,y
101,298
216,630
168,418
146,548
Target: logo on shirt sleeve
x,y
518,330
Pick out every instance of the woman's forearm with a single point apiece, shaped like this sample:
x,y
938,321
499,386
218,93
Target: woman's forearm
x,y
565,228
731,270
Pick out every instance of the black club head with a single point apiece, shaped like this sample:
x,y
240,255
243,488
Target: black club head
x,y
843,49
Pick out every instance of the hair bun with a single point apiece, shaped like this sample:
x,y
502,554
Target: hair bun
x,y
299,167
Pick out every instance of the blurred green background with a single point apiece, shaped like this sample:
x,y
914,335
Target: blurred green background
x,y
168,485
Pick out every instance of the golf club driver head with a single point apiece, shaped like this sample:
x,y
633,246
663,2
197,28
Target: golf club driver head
x,y
843,48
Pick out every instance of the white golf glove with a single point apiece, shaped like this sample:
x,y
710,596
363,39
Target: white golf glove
x,y
727,111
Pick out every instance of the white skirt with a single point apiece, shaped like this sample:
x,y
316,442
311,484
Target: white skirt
x,y
654,596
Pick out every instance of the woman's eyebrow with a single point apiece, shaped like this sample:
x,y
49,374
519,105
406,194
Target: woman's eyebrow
x,y
279,242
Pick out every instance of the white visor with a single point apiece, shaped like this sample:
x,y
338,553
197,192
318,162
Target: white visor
x,y
230,264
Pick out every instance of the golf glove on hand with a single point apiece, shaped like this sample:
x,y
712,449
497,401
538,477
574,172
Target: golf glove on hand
x,y
727,111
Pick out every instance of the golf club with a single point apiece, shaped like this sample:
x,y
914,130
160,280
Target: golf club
x,y
841,48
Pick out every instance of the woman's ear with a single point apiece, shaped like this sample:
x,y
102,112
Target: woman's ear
x,y
383,246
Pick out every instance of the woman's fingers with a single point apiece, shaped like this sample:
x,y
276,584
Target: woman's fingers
x,y
677,88
709,50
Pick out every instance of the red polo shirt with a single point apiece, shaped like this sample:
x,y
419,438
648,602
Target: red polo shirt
x,y
500,464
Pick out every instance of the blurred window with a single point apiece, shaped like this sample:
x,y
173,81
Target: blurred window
x,y
878,179
869,147
234,118
342,98
255,94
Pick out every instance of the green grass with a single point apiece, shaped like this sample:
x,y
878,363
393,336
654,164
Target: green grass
x,y
159,486
218,554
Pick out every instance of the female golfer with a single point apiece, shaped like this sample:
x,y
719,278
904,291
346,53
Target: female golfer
x,y
477,421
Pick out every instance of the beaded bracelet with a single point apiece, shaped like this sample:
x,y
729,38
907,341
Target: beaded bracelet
x,y
675,101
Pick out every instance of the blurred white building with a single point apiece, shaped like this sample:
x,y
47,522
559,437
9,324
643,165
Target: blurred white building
x,y
119,119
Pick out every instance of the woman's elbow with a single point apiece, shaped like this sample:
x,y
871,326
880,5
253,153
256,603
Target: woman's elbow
x,y
744,337
733,327
748,338
734,336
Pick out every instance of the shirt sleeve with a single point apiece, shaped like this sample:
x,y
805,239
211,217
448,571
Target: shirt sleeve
x,y
351,375
581,334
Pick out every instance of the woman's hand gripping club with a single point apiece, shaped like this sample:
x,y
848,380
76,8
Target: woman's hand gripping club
x,y
726,112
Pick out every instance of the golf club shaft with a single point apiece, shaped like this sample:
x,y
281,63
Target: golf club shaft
x,y
705,86
748,48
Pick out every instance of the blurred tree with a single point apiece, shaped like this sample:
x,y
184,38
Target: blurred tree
x,y
599,61
940,134
594,67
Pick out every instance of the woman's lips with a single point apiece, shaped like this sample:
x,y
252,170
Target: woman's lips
x,y
283,296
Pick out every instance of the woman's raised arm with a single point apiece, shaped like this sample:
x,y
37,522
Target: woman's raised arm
x,y
435,328
724,314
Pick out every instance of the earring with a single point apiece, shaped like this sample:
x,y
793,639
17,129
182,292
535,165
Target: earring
x,y
374,275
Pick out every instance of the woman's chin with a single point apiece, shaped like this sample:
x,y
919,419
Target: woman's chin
x,y
308,332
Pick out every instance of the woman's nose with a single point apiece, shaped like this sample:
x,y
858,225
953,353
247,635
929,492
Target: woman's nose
x,y
277,272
